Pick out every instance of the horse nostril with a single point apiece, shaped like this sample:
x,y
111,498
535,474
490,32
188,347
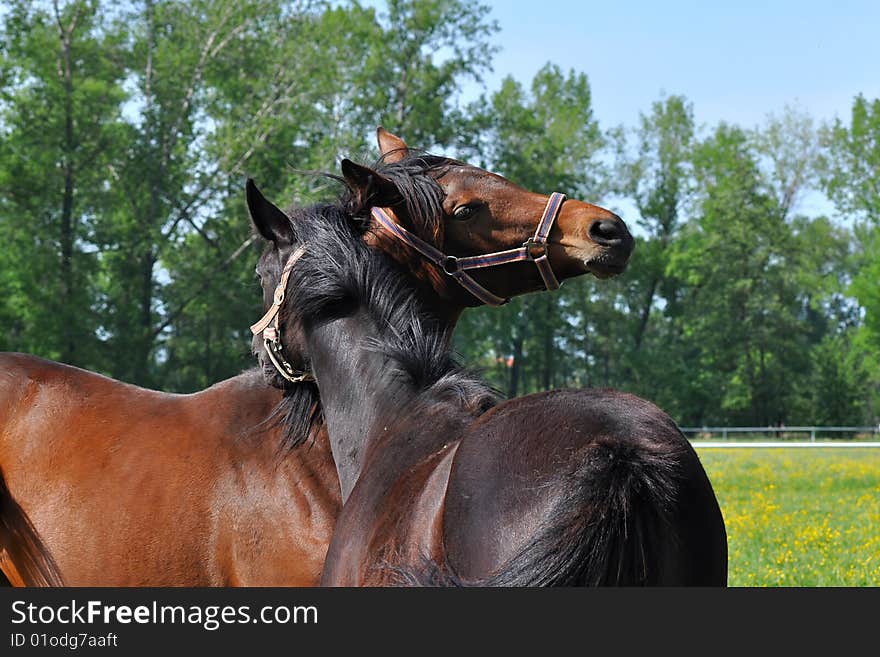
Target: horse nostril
x,y
608,232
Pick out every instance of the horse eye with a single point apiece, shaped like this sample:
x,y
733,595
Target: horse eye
x,y
464,212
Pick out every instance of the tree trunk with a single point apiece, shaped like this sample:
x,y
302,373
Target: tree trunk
x,y
645,314
586,347
548,368
144,343
515,367
148,257
68,230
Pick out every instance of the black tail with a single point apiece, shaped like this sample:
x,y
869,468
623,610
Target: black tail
x,y
611,526
24,549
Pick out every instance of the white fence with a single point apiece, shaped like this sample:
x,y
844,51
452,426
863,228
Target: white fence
x,y
725,433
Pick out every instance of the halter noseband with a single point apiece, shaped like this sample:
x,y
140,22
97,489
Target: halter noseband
x,y
269,326
533,249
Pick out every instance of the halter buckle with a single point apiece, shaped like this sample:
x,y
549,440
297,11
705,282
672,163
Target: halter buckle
x,y
535,250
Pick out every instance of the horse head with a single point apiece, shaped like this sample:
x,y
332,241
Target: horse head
x,y
467,235
483,224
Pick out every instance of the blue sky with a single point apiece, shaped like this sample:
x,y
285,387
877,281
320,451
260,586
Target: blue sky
x,y
736,61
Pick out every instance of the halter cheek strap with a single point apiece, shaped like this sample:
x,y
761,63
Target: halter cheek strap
x,y
533,249
270,327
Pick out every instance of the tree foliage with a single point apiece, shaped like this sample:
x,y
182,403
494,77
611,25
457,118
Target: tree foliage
x,y
127,131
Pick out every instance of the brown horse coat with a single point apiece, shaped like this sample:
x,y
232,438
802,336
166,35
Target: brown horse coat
x,y
132,487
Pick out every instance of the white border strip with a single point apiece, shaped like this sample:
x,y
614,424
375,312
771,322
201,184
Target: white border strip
x,y
773,444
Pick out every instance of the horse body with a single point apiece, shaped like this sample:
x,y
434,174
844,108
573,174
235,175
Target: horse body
x,y
126,486
575,487
440,485
568,487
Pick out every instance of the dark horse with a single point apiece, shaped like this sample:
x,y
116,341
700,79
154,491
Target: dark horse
x,y
440,483
106,484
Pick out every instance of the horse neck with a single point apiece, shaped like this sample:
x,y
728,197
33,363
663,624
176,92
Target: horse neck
x,y
362,394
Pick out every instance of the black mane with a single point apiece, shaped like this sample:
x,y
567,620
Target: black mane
x,y
415,179
339,271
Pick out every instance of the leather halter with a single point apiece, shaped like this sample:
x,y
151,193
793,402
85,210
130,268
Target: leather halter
x,y
269,326
533,249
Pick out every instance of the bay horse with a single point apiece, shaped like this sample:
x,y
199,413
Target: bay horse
x,y
441,484
103,483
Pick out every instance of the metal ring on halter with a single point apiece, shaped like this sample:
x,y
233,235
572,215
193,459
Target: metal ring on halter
x,y
285,369
530,244
450,265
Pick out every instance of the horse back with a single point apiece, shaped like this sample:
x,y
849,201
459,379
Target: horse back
x,y
128,486
553,467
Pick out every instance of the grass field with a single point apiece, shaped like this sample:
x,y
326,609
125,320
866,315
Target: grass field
x,y
799,517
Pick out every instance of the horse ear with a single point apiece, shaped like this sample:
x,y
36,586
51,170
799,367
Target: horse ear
x,y
392,147
269,221
369,187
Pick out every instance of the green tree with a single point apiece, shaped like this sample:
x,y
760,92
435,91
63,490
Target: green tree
x,y
413,75
851,177
160,183
547,139
60,105
324,91
852,164
657,177
741,317
789,146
